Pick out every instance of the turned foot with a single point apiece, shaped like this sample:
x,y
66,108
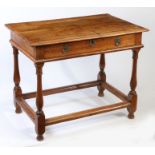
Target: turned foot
x,y
18,110
131,113
131,116
101,94
40,137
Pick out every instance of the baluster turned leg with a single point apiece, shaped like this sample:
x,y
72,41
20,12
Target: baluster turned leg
x,y
17,89
40,117
101,76
133,84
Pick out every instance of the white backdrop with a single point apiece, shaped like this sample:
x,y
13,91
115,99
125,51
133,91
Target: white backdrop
x,y
111,129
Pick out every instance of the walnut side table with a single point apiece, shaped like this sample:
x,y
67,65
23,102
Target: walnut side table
x,y
52,40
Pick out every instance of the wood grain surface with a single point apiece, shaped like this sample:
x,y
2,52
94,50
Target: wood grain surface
x,y
73,29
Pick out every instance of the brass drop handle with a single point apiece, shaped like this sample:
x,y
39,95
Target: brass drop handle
x,y
65,48
117,41
92,42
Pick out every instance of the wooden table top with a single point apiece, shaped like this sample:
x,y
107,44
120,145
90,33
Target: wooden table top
x,y
50,32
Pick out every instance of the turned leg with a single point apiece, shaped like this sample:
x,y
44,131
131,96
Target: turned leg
x,y
40,117
101,76
17,90
133,84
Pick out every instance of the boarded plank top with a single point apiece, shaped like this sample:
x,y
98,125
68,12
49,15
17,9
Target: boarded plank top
x,y
73,29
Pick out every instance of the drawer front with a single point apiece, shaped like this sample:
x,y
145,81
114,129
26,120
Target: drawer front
x,y
87,47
